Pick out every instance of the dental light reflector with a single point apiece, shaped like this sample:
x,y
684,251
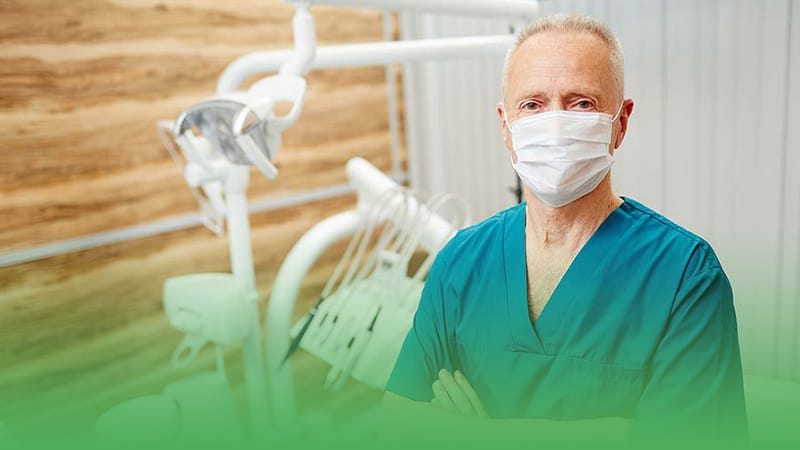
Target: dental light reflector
x,y
237,127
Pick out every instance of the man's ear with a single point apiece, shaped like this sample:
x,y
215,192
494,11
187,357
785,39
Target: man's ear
x,y
504,129
624,116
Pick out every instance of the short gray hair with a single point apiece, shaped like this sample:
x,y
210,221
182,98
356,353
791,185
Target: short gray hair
x,y
576,24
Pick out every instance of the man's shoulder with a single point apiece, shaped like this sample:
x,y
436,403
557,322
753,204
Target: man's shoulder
x,y
492,226
671,237
471,242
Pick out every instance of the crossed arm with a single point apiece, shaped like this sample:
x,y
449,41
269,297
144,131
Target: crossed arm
x,y
457,411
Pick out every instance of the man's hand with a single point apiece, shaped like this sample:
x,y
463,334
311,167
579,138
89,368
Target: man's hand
x,y
454,393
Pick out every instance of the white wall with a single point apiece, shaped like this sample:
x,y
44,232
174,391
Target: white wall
x,y
452,131
714,140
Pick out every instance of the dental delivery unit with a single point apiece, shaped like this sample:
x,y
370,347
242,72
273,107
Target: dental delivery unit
x,y
367,305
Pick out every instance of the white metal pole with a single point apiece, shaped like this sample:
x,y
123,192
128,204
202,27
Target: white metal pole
x,y
241,255
360,55
488,9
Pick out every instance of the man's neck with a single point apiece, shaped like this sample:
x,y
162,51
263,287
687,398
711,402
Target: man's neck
x,y
568,227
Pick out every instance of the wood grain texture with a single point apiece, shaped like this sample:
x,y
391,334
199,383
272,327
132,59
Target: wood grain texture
x,y
82,332
82,84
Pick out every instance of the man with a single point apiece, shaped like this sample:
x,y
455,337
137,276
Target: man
x,y
576,307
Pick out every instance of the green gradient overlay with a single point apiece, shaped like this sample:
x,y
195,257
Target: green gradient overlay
x,y
55,405
353,419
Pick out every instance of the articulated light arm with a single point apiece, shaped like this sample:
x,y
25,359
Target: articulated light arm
x,y
362,55
487,9
305,42
306,55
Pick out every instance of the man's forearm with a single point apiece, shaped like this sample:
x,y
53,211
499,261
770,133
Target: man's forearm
x,y
611,432
406,419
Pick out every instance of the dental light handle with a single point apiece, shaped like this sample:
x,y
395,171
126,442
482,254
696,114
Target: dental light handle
x,y
205,181
276,88
256,157
195,149
282,88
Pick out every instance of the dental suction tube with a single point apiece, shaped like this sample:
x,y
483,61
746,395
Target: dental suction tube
x,y
368,180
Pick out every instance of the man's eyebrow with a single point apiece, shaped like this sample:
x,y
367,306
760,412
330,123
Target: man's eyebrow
x,y
596,93
529,94
585,91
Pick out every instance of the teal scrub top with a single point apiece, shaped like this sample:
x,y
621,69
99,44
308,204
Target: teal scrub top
x,y
641,326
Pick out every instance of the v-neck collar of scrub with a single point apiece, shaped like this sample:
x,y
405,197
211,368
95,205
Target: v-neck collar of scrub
x,y
543,336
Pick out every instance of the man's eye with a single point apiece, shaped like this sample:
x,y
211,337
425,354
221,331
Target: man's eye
x,y
584,104
529,106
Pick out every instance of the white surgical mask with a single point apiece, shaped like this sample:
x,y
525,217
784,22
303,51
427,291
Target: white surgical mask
x,y
562,155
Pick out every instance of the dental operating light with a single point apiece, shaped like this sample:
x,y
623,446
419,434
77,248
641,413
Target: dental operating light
x,y
223,122
242,125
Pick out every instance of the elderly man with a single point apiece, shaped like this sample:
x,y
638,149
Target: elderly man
x,y
576,306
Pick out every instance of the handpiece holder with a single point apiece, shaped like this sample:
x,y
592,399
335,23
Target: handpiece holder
x,y
208,308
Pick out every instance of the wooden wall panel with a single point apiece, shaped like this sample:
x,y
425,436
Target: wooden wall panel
x,y
82,332
82,84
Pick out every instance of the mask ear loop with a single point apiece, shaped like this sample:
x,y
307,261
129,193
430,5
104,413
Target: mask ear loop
x,y
505,118
617,116
619,112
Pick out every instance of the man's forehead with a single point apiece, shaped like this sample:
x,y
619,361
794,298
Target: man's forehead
x,y
573,43
577,58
